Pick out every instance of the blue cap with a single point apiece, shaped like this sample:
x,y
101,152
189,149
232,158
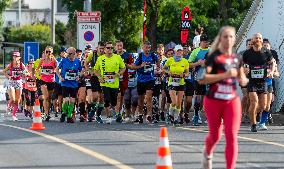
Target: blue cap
x,y
62,49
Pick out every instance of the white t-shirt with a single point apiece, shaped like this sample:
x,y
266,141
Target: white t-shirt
x,y
196,41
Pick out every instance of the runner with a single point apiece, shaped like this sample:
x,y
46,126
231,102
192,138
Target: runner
x,y
144,65
70,68
196,61
47,65
223,69
131,97
166,98
109,67
16,69
245,99
38,80
94,95
189,88
178,69
82,88
258,60
30,90
265,114
196,40
57,93
123,80
158,85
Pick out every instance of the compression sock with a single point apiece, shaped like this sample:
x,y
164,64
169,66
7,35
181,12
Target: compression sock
x,y
70,109
65,107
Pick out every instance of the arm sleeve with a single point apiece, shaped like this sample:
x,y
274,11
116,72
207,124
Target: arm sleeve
x,y
193,55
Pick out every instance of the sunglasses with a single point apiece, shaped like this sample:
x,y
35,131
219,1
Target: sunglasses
x,y
109,47
70,53
47,51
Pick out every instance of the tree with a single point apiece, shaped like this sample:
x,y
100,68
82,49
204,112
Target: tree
x,y
3,5
121,19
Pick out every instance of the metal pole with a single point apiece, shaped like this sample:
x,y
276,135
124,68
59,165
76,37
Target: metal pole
x,y
52,22
19,12
88,5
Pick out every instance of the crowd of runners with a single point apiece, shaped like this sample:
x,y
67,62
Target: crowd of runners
x,y
106,84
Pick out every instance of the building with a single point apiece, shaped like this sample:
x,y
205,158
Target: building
x,y
34,11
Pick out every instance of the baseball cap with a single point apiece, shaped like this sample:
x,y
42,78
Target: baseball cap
x,y
16,53
204,38
178,47
88,46
62,49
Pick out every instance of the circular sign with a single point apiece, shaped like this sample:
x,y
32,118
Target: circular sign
x,y
89,36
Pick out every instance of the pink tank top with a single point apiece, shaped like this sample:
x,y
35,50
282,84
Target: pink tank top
x,y
47,71
16,72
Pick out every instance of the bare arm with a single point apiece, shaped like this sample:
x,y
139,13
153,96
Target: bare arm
x,y
5,72
212,78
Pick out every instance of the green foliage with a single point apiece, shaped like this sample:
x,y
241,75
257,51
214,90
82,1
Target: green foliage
x,y
3,5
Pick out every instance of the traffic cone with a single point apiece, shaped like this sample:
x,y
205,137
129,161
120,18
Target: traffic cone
x,y
37,121
164,154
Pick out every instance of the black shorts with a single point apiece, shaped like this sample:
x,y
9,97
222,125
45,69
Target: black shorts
x,y
30,97
49,85
57,91
143,87
189,88
81,84
259,88
270,89
157,90
69,92
38,86
199,89
95,84
177,88
110,96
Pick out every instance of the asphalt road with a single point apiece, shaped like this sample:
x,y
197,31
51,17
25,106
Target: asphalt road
x,y
102,146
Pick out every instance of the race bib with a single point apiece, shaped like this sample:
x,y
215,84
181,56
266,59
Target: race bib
x,y
189,76
131,78
16,73
257,73
31,84
109,77
148,68
46,71
224,92
88,82
175,81
158,80
70,75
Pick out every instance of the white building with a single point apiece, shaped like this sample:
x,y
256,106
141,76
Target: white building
x,y
34,11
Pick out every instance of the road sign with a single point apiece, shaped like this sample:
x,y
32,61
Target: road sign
x,y
186,18
88,33
89,16
31,51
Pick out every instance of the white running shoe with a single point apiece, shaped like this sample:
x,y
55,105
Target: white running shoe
x,y
206,161
14,118
261,126
108,120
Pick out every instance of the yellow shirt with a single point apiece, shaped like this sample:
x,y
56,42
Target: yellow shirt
x,y
37,73
108,67
177,68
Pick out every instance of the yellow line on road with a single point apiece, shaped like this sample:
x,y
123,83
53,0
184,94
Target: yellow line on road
x,y
240,137
77,147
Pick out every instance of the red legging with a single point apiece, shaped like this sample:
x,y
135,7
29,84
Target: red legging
x,y
230,112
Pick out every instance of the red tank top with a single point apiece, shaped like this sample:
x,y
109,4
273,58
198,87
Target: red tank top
x,y
16,72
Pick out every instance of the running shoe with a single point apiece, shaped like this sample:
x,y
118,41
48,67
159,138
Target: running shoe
x,y
26,112
82,118
118,118
154,119
148,119
99,119
258,117
70,120
109,120
186,118
47,118
199,119
253,128
206,161
139,119
62,118
163,117
261,126
270,119
14,118
195,121
56,114
176,123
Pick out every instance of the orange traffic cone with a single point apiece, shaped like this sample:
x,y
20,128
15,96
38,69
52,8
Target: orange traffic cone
x,y
164,154
37,121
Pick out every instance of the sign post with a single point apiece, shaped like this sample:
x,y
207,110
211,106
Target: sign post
x,y
88,29
31,51
185,24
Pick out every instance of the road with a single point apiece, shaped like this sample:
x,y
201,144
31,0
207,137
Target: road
x,y
126,146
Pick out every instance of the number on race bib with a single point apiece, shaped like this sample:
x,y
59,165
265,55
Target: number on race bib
x,y
88,82
70,75
148,68
109,77
175,81
224,92
257,74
